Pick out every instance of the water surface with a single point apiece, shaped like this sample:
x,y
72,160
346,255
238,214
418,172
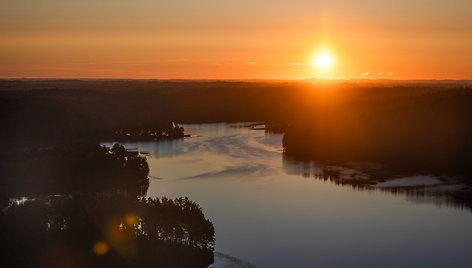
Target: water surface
x,y
269,216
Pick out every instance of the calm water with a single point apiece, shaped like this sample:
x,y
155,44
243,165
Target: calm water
x,y
267,215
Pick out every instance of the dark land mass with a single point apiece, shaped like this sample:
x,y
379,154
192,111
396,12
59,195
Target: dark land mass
x,y
119,110
85,208
51,130
57,110
418,125
73,167
105,230
84,205
427,133
410,126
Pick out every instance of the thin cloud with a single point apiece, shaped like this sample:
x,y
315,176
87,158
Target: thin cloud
x,y
301,63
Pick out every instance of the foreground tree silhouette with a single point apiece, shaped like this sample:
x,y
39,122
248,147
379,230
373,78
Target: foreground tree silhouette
x,y
85,167
108,230
86,209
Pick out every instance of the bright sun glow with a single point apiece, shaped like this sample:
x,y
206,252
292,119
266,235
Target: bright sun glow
x,y
323,60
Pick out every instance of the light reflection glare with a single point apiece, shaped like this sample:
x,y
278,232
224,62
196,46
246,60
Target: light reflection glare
x,y
131,219
100,248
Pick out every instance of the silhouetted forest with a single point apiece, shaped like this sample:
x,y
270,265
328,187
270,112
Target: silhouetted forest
x,y
428,133
57,110
67,168
83,203
55,114
86,194
61,110
85,207
422,125
106,230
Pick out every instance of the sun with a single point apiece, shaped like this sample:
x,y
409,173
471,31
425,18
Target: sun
x,y
323,60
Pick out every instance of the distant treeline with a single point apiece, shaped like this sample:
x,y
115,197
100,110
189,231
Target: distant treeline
x,y
56,110
129,110
409,124
426,133
105,230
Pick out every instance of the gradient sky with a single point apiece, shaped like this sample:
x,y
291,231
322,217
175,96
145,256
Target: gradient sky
x,y
244,39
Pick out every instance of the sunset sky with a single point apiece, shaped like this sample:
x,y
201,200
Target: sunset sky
x,y
245,39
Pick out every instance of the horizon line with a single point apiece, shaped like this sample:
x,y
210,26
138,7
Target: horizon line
x,y
237,79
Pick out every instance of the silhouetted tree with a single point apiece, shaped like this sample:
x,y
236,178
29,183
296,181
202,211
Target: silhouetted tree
x,y
73,167
60,230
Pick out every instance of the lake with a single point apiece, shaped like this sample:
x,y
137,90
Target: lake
x,y
267,212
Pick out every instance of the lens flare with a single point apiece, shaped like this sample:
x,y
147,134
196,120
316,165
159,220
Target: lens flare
x,y
131,219
100,248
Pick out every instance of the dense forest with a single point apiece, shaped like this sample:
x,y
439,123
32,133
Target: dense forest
x,y
72,167
422,125
105,230
85,201
83,205
407,124
67,201
428,133
57,110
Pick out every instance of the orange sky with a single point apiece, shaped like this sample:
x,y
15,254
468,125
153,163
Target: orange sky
x,y
243,39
